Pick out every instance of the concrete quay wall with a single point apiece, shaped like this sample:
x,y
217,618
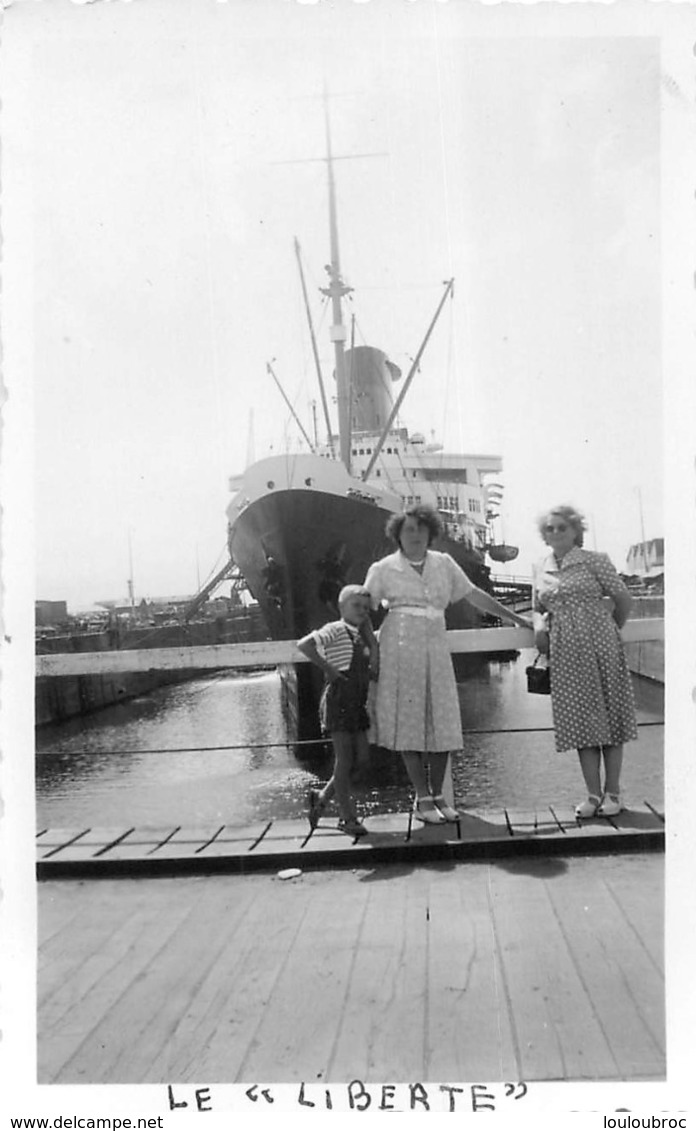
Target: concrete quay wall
x,y
647,657
64,697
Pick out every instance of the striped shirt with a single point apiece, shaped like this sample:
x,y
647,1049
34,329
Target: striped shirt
x,y
335,642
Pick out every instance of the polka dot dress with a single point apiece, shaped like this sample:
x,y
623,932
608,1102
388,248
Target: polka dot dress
x,y
591,690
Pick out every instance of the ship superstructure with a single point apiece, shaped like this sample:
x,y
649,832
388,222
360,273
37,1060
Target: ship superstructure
x,y
417,470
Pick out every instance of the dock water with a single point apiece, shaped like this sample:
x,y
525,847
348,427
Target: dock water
x,y
214,752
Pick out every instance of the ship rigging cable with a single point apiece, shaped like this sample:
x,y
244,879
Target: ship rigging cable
x,y
287,745
448,383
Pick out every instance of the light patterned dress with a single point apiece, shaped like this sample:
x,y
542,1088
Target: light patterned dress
x,y
591,690
416,704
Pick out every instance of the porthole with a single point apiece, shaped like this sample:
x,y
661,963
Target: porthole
x,y
270,484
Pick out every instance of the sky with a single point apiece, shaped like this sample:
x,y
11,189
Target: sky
x,y
173,155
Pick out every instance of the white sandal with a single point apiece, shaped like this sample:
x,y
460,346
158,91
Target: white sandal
x,y
429,816
447,811
611,805
588,808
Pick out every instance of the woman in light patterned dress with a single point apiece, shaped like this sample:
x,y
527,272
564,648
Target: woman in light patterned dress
x,y
417,707
580,603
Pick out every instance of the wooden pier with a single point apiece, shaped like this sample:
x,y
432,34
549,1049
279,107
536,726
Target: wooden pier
x,y
277,844
527,968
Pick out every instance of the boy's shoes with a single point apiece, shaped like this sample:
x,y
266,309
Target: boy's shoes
x,y
425,810
315,808
352,826
611,805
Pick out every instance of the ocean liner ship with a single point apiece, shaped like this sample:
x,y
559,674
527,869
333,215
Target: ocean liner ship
x,y
302,525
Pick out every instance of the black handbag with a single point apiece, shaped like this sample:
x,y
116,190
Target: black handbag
x,y
539,678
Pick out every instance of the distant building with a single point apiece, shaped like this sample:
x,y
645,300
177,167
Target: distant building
x,y
161,610
646,560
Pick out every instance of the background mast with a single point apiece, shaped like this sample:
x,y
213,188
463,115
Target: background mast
x,y
336,291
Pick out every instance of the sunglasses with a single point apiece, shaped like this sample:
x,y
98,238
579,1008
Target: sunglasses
x,y
560,529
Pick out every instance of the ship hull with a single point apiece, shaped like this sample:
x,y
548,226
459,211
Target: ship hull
x,y
296,549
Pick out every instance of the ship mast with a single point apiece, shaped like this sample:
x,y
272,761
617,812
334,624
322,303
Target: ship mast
x,y
131,587
336,291
317,363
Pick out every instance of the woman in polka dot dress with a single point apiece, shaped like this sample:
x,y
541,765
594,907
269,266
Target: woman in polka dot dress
x,y
580,603
417,707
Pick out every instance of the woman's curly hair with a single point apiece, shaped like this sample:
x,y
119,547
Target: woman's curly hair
x,y
424,516
569,514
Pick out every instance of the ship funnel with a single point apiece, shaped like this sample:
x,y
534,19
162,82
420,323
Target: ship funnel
x,y
370,374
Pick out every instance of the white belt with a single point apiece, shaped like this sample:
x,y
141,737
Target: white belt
x,y
420,611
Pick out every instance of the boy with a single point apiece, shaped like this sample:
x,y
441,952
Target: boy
x,y
347,653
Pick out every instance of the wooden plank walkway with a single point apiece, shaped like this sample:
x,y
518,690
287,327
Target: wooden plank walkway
x,y
520,968
272,845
